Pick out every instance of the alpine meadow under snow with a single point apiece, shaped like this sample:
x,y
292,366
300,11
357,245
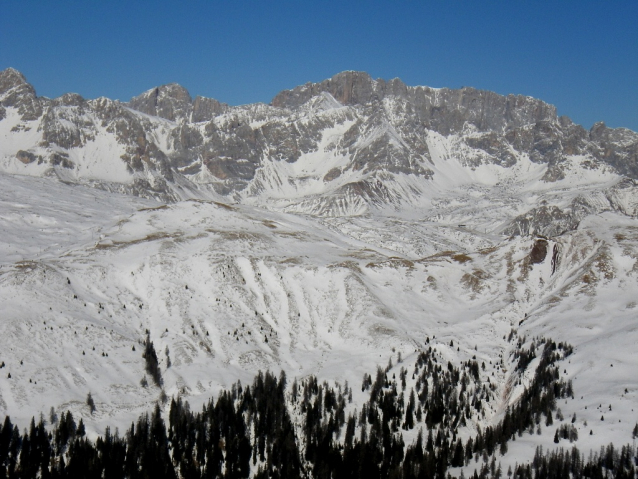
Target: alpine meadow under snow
x,y
349,225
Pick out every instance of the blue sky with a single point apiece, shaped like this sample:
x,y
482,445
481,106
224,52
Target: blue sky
x,y
578,55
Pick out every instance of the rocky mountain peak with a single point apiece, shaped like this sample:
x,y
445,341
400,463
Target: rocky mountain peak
x,y
170,101
598,130
205,109
444,110
173,102
348,88
16,92
69,99
11,78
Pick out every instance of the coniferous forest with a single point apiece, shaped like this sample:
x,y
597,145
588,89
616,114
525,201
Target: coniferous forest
x,y
273,429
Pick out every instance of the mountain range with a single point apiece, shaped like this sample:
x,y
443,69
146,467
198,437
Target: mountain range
x,y
345,224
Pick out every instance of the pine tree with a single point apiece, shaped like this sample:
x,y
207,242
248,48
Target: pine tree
x,y
152,364
503,448
5,439
90,403
81,431
459,455
53,417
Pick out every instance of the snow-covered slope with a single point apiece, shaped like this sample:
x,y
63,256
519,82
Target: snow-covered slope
x,y
324,234
227,290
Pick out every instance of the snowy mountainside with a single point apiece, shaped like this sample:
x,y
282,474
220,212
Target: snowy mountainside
x,y
346,222
227,290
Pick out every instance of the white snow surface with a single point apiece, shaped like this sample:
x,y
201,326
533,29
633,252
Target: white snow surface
x,y
229,289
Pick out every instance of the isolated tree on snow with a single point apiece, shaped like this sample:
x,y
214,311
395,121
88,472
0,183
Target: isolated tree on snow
x,y
168,358
152,364
53,417
90,403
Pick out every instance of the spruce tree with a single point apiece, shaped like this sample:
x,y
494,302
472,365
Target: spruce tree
x,y
152,364
90,403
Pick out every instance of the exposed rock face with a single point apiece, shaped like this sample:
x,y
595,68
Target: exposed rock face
x,y
25,157
341,145
173,102
16,92
551,220
608,140
205,109
539,252
445,111
545,220
168,101
65,123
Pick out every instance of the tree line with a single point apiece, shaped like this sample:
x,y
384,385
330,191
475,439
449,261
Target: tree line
x,y
272,429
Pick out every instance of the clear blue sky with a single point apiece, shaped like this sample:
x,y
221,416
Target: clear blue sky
x,y
581,56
